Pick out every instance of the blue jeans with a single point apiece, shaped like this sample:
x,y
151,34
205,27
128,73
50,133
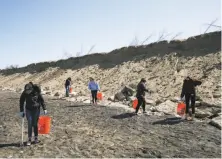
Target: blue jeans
x,y
67,90
32,117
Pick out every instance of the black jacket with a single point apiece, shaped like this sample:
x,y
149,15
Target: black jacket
x,y
67,83
189,87
24,98
141,89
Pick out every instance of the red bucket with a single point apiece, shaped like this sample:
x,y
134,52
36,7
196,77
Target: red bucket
x,y
99,96
44,125
181,108
70,90
135,102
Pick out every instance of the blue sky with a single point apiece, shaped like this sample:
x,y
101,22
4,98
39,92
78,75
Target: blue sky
x,y
43,30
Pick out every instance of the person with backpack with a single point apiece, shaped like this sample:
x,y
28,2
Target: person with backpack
x,y
140,95
33,99
94,88
67,86
188,90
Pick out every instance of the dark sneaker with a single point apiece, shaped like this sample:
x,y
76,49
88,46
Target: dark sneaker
x,y
37,141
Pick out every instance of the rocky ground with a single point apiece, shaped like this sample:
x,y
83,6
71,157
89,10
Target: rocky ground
x,y
82,130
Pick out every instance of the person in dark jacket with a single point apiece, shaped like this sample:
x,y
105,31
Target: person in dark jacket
x,y
67,86
140,94
188,90
33,99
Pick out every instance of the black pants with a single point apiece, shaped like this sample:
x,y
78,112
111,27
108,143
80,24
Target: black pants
x,y
141,101
32,117
190,97
94,96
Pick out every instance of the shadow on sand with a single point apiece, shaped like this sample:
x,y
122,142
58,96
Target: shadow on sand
x,y
123,116
84,105
169,121
10,145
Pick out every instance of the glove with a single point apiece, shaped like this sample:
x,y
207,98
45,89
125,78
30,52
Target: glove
x,y
45,112
22,114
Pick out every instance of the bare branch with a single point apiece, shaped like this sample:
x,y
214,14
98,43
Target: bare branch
x,y
217,26
210,25
134,42
176,35
162,36
92,47
147,39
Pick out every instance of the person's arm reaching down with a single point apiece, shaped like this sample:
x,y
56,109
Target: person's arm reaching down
x,y
22,102
42,102
182,93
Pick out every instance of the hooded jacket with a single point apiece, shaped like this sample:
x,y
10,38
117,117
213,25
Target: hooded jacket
x,y
141,89
27,96
189,86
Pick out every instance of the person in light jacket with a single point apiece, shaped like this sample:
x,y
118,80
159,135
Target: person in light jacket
x,y
94,88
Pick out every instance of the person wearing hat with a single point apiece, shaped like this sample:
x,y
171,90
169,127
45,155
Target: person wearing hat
x,y
67,86
188,90
33,98
140,95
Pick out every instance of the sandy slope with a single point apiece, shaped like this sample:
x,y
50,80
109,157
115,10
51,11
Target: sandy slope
x,y
80,130
164,75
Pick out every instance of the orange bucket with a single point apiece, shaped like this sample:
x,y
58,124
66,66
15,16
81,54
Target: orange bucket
x,y
70,90
44,124
99,96
181,108
135,102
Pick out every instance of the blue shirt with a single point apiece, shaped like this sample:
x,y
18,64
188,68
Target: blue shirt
x,y
93,86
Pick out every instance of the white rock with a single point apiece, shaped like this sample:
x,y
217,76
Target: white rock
x,y
82,98
43,92
87,101
150,101
111,98
116,104
71,99
175,99
158,113
202,113
167,107
73,94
